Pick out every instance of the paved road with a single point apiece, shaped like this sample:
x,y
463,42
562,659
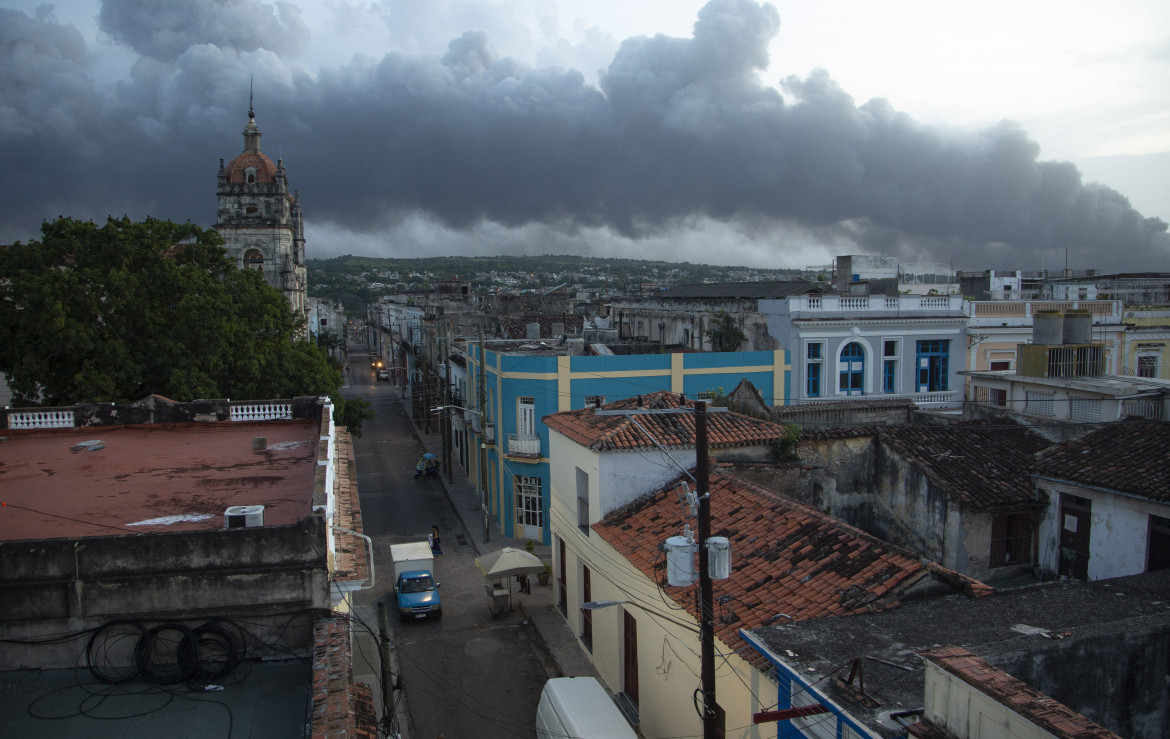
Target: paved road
x,y
466,674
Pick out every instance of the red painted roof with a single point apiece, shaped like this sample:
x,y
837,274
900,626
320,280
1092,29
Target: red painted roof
x,y
789,562
621,432
152,478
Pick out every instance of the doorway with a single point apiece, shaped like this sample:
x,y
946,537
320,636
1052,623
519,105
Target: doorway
x,y
1076,517
630,658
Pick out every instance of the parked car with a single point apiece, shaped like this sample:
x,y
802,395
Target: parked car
x,y
415,588
579,706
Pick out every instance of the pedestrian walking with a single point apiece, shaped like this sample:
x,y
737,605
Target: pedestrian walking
x,y
524,586
436,543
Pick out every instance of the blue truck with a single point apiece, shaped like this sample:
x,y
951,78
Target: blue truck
x,y
415,588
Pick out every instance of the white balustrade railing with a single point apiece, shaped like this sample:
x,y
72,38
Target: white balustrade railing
x,y
947,398
863,303
523,445
261,411
20,420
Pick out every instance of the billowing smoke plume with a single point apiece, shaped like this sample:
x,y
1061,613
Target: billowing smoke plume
x,y
166,30
681,131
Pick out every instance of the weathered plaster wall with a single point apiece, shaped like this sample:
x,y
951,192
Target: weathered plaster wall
x,y
1118,539
837,477
915,513
58,586
1117,679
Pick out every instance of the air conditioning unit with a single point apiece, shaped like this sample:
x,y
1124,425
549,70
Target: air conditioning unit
x,y
243,516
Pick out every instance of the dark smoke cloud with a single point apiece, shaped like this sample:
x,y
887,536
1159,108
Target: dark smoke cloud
x,y
164,30
681,131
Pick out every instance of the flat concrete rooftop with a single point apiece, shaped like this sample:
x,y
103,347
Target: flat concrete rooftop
x,y
263,699
153,478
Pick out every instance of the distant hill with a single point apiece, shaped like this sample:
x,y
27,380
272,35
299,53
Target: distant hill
x,y
357,281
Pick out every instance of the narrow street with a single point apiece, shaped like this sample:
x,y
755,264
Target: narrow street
x,y
466,674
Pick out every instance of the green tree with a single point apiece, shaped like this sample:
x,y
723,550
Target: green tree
x,y
724,333
126,310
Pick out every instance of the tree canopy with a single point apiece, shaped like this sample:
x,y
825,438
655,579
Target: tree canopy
x,y
126,310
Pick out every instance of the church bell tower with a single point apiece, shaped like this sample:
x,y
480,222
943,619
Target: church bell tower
x,y
260,219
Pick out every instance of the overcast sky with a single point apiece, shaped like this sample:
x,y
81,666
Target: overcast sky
x,y
728,132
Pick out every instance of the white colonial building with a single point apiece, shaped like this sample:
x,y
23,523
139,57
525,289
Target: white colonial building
x,y
848,346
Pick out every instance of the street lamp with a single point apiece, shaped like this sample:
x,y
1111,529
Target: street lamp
x,y
595,605
438,408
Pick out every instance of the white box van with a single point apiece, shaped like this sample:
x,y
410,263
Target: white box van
x,y
579,707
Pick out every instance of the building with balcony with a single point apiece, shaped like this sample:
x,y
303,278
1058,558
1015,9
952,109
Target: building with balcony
x,y
845,347
1062,383
509,387
996,329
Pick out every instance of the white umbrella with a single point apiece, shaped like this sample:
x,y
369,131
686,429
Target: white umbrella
x,y
509,561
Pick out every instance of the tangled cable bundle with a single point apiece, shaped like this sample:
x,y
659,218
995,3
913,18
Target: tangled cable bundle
x,y
125,650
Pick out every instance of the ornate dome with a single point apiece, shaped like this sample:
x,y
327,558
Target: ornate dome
x,y
251,166
263,168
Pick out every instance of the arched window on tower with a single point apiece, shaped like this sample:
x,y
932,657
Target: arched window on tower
x,y
254,259
250,175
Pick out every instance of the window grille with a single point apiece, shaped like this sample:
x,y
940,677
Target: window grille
x,y
1011,540
529,505
1085,409
1039,403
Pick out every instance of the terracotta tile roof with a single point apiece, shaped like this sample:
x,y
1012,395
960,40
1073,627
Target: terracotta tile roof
x,y
1128,456
814,433
341,707
620,432
351,561
237,168
789,562
1045,712
984,465
866,404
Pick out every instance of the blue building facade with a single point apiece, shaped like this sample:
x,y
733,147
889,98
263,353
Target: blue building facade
x,y
511,391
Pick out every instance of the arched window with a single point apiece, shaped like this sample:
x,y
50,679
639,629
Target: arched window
x,y
250,175
253,259
852,369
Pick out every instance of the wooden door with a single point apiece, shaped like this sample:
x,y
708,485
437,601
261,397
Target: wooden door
x,y
1076,517
562,584
630,671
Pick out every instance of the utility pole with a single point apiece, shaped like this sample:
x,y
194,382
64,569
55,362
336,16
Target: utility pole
x,y
706,592
385,676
